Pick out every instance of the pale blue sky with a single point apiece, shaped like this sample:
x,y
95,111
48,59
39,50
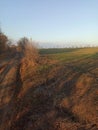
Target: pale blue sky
x,y
50,20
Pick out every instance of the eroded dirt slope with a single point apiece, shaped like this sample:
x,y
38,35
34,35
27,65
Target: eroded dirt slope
x,y
57,97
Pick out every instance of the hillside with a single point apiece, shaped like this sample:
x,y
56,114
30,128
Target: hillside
x,y
59,91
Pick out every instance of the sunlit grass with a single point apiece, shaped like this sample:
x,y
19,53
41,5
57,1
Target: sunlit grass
x,y
64,55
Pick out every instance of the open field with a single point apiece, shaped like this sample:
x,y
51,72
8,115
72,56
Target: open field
x,y
59,92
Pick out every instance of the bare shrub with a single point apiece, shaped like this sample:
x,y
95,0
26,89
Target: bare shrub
x,y
28,48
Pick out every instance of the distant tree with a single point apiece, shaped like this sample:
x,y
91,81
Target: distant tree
x,y
3,42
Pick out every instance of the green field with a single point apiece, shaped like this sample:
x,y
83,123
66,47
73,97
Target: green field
x,y
69,54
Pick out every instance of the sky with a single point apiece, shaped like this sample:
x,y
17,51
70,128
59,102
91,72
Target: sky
x,y
56,21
